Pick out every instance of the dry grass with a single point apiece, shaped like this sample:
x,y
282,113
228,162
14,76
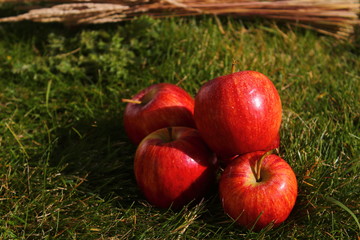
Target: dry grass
x,y
332,17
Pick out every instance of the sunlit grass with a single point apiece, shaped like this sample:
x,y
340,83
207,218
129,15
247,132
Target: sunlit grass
x,y
66,164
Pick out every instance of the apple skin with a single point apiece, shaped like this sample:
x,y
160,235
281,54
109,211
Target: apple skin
x,y
163,105
223,162
244,199
172,171
275,143
238,113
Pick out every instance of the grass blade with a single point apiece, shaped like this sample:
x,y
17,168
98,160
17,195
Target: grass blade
x,y
48,90
340,204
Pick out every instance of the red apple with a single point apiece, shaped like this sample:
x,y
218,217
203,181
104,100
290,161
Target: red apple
x,y
274,144
173,166
258,189
226,161
158,106
238,113
223,162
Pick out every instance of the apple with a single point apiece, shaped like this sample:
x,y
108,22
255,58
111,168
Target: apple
x,y
258,189
157,106
274,144
173,167
223,162
238,113
226,161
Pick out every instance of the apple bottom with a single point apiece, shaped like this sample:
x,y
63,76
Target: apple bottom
x,y
175,186
224,161
256,204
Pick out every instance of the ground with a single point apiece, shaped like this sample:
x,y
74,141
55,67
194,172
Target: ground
x,y
66,164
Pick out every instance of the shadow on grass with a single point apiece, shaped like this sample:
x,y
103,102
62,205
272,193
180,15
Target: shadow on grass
x,y
101,153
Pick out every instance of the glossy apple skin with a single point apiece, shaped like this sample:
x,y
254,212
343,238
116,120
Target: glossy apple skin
x,y
244,199
238,113
163,105
223,162
174,172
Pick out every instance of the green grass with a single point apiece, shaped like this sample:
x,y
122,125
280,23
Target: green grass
x,y
66,165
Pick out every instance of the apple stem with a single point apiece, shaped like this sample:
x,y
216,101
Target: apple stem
x,y
124,100
258,165
170,133
233,66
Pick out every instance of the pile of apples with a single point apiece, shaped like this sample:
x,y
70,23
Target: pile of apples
x,y
230,129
